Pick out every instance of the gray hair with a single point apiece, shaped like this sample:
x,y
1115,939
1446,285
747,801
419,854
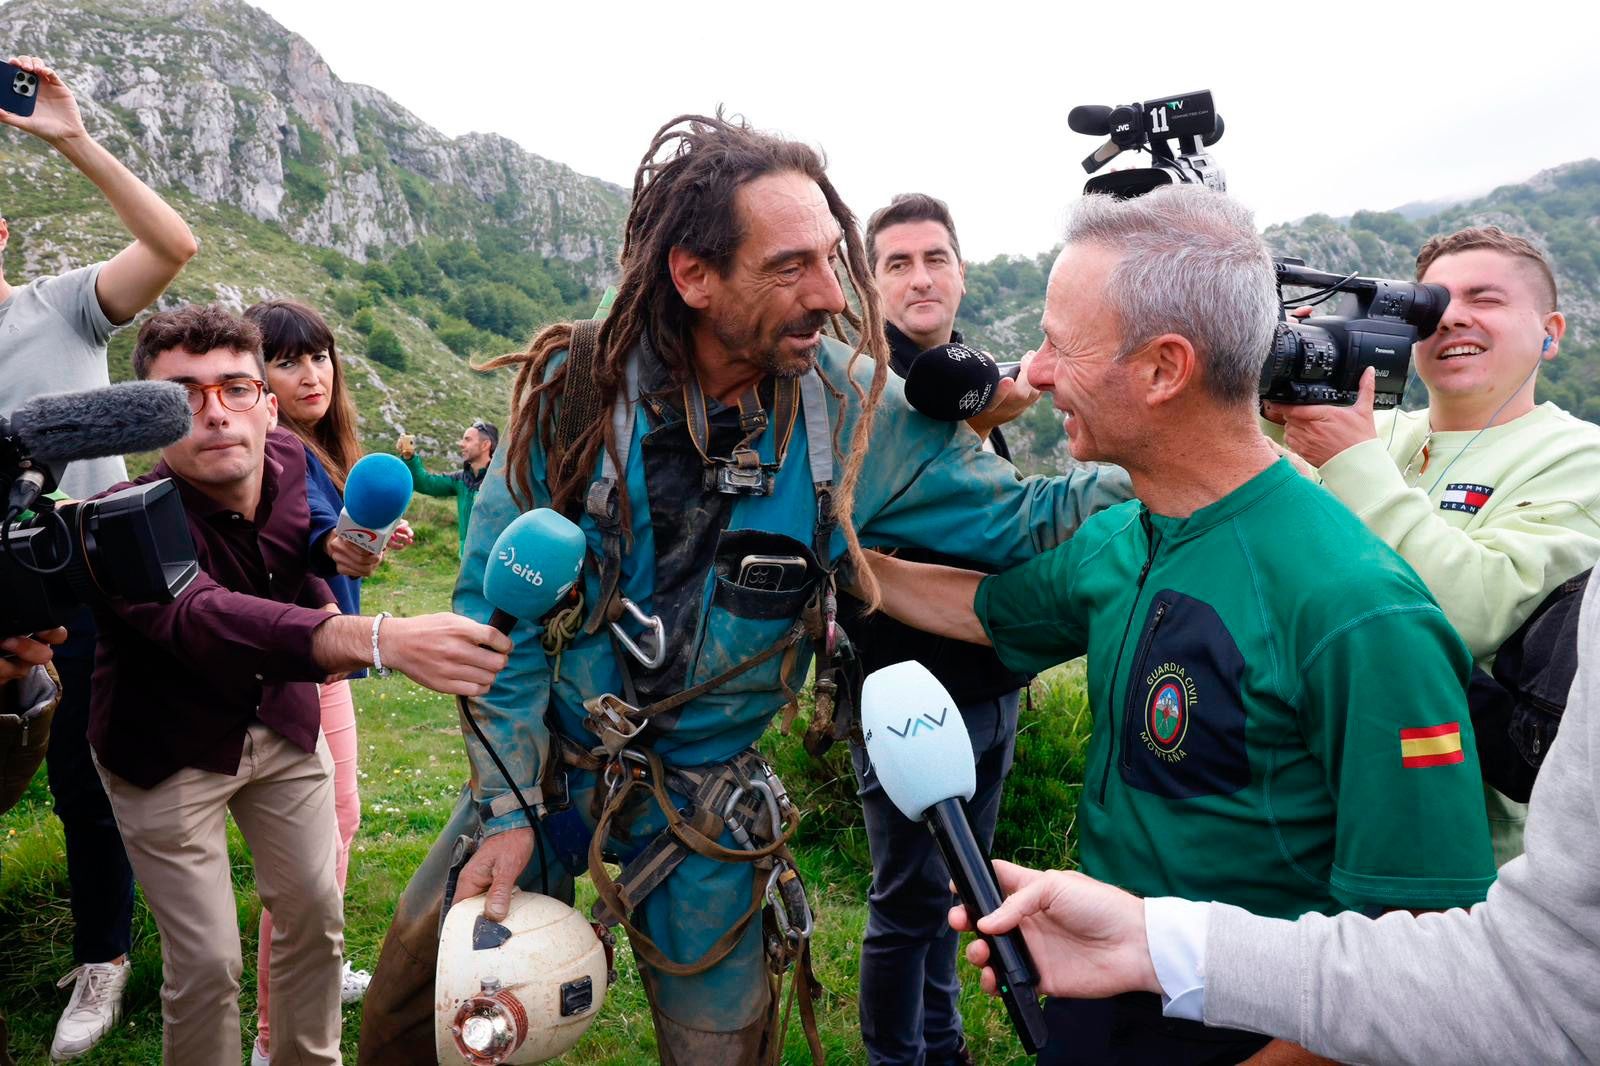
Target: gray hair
x,y
1192,264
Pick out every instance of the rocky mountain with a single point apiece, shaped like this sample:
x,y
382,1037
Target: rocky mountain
x,y
1557,209
217,98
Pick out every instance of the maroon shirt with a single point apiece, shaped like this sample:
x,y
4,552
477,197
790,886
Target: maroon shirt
x,y
178,684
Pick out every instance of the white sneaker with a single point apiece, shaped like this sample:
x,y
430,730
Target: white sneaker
x,y
352,985
257,1056
95,1006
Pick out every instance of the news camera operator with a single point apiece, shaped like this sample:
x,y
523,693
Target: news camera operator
x,y
909,1006
1242,737
1490,497
208,705
55,331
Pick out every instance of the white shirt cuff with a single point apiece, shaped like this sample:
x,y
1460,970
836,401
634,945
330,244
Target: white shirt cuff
x,y
1176,930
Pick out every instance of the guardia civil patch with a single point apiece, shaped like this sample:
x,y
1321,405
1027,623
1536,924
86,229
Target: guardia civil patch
x,y
1434,745
1167,708
1465,496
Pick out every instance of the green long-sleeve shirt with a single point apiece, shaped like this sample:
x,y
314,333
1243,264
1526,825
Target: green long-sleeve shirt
x,y
462,484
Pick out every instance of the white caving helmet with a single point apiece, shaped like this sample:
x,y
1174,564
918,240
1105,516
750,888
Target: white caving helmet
x,y
518,991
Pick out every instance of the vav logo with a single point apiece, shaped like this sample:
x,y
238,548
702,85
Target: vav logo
x,y
508,559
914,726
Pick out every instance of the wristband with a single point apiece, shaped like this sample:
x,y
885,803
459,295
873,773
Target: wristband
x,y
377,658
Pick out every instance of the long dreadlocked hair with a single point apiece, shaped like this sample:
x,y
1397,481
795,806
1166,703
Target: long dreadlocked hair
x,y
683,196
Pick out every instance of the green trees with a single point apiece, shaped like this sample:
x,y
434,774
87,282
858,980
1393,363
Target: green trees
x,y
383,345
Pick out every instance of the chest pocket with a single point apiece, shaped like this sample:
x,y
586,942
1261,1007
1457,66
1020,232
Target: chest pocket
x,y
741,620
1183,728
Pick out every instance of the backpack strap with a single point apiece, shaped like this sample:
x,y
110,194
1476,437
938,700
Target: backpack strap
x,y
580,400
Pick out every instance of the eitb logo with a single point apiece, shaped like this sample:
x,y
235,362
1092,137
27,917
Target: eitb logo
x,y
1168,704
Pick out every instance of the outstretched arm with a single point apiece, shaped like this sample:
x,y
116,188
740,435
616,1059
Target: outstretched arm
x,y
937,599
162,242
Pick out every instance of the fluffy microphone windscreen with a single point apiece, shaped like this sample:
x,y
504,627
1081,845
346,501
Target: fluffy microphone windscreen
x,y
135,416
533,563
377,490
916,739
951,382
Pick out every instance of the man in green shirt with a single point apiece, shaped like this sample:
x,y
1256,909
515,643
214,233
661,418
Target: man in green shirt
x,y
477,446
1279,705
1494,500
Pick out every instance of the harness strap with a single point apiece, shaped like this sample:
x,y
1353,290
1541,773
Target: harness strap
x,y
602,502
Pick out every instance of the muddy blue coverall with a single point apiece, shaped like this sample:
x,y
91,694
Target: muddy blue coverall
x,y
933,486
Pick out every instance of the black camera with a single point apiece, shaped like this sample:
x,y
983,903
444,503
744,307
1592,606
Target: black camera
x,y
1320,360
132,545
1175,130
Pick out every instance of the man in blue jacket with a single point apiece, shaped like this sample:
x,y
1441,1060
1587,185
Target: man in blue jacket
x,y
725,476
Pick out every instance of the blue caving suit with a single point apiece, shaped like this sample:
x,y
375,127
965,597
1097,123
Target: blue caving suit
x,y
934,487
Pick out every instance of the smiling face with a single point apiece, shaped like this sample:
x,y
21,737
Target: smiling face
x,y
768,312
1491,339
303,385
921,280
222,454
1076,363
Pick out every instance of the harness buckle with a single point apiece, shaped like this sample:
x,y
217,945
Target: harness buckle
x,y
611,719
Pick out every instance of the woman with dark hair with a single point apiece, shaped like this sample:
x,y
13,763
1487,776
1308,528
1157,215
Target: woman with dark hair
x,y
306,376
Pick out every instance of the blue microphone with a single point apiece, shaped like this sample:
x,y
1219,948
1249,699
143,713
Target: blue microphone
x,y
375,497
534,562
920,750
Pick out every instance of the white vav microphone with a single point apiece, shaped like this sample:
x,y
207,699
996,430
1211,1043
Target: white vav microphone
x,y
922,755
916,739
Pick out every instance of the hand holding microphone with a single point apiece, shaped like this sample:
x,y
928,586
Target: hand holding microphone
x,y
959,383
376,495
923,758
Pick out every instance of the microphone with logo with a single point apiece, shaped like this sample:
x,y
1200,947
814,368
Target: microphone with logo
x,y
954,382
922,755
535,561
376,495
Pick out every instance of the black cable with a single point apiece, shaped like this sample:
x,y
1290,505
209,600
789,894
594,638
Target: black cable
x,y
527,811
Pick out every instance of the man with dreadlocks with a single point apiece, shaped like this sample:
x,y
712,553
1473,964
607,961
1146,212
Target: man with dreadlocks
x,y
694,435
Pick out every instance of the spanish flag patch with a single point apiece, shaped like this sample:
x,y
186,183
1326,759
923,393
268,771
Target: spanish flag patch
x,y
1434,745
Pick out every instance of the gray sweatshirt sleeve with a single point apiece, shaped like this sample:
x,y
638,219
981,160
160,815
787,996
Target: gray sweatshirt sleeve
x,y
1516,979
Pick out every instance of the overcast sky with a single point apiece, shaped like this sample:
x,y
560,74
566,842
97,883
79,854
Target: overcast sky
x,y
1347,106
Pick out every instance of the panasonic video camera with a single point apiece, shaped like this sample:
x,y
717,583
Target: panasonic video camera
x,y
1175,130
132,545
1320,360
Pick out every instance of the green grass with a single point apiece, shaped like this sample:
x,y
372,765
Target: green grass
x,y
412,765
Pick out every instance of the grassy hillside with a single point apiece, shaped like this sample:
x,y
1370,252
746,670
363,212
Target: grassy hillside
x,y
411,767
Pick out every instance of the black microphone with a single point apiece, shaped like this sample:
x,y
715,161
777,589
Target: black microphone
x,y
1092,119
922,756
135,416
952,382
50,431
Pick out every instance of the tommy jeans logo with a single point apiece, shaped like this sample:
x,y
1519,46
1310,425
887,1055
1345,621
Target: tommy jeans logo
x,y
914,726
1465,496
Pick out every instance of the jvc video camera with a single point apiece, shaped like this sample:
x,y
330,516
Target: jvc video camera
x,y
1175,130
1320,360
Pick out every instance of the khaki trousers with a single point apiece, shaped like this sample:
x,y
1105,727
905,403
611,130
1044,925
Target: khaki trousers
x,y
176,835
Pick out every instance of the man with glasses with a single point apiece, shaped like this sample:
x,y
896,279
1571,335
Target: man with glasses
x,y
53,333
208,705
477,446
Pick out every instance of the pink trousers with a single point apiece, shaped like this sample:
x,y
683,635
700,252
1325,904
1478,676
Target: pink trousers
x,y
339,726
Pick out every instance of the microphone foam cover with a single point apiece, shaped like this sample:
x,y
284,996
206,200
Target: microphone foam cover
x,y
916,738
951,382
378,489
1093,119
135,416
535,560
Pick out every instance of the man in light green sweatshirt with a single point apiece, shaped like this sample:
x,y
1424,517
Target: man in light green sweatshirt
x,y
1491,498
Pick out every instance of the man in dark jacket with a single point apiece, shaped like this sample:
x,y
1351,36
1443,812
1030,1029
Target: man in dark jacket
x,y
909,988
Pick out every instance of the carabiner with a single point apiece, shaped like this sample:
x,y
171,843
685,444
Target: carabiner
x,y
791,911
652,659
